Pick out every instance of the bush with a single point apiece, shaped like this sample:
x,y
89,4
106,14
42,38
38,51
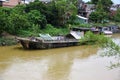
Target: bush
x,y
24,33
98,17
117,16
7,41
91,38
4,13
84,25
36,18
17,22
54,31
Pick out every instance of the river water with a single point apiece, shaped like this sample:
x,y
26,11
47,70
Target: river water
x,y
69,63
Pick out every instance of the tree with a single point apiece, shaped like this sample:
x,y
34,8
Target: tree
x,y
19,9
57,12
98,17
4,13
36,18
2,22
36,5
65,10
17,22
105,4
99,6
102,11
94,1
117,16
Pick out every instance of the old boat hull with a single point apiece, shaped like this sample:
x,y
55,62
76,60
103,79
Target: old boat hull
x,y
28,44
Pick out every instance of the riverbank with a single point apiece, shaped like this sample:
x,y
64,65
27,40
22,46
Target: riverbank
x,y
7,39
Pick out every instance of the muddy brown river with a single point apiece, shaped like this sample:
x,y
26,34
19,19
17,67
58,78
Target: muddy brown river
x,y
69,63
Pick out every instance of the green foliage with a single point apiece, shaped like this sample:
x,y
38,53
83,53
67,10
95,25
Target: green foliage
x,y
17,22
117,16
32,31
72,20
60,12
85,25
94,1
36,18
5,10
24,33
99,6
2,22
19,9
89,2
106,4
99,24
33,17
54,31
4,13
98,17
101,14
36,5
91,38
57,12
52,14
7,41
102,4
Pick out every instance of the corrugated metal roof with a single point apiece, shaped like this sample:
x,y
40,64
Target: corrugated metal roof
x,y
45,36
76,34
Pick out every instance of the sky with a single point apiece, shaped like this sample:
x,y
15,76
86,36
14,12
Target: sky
x,y
114,1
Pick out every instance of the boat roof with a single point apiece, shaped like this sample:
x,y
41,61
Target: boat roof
x,y
45,36
80,29
75,34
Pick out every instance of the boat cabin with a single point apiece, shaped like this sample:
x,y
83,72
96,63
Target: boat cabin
x,y
84,30
114,28
105,30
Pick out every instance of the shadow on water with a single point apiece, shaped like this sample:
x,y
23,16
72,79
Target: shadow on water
x,y
44,49
23,49
19,48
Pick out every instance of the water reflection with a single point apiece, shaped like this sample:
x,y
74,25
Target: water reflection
x,y
71,63
93,69
32,70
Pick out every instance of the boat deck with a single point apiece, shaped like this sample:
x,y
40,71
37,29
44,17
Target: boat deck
x,y
49,41
62,41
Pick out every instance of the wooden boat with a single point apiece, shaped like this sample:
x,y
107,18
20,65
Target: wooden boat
x,y
37,43
47,41
84,30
